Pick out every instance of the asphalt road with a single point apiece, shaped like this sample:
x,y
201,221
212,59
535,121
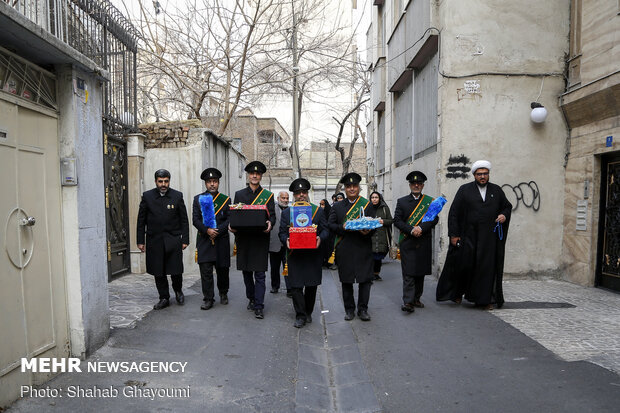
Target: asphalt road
x,y
443,358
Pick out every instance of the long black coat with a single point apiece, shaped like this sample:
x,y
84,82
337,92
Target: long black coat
x,y
482,252
207,252
305,265
354,251
253,246
162,220
416,253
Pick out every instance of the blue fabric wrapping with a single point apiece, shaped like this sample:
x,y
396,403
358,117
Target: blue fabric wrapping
x,y
208,212
434,209
500,231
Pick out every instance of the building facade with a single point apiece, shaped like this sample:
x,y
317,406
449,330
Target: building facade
x,y
63,78
591,106
452,82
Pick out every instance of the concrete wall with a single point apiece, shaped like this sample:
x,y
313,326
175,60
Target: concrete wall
x,y
84,226
491,121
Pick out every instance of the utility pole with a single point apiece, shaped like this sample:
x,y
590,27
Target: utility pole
x,y
296,167
326,164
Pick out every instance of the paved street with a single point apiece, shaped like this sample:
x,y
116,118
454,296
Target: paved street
x,y
555,347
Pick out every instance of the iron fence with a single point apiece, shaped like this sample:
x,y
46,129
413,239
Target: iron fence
x,y
99,31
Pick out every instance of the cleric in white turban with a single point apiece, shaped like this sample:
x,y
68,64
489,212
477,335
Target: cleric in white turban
x,y
477,226
480,164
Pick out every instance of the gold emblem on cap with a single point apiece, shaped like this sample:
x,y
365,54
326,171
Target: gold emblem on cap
x,y
256,168
415,177
350,179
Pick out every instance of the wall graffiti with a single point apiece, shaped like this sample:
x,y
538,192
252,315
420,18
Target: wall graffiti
x,y
458,167
526,193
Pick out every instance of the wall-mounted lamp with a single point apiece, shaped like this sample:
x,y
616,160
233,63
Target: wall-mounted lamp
x,y
539,113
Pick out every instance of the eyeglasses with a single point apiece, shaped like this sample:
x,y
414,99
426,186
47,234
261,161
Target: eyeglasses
x,y
481,174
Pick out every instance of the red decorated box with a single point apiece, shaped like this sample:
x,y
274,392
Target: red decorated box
x,y
302,238
248,217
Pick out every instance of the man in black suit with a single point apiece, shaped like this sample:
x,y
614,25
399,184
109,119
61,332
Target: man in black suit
x,y
353,248
304,265
162,218
416,240
212,244
253,246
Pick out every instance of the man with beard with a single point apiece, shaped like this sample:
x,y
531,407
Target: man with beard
x,y
304,265
477,225
212,244
277,252
416,240
253,246
162,220
353,248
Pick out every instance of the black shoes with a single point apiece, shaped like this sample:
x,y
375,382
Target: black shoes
x,y
163,303
207,305
418,304
289,294
308,318
258,313
408,308
299,323
223,299
250,306
363,315
180,297
378,278
349,315
273,291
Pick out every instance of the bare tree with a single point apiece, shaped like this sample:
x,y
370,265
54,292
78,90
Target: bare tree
x,y
352,117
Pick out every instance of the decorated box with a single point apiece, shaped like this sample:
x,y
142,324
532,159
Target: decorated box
x,y
248,217
301,215
302,238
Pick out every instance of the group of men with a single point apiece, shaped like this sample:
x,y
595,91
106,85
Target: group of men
x,y
477,227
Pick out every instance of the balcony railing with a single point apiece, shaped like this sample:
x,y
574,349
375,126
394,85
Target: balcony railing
x,y
97,30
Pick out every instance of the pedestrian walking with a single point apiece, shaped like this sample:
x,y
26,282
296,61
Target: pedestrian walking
x,y
381,239
253,246
304,265
277,252
415,241
477,226
212,244
163,233
353,248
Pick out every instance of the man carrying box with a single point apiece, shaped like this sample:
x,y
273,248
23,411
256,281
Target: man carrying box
x,y
304,265
253,245
353,248
212,244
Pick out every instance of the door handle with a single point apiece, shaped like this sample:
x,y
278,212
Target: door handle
x,y
27,222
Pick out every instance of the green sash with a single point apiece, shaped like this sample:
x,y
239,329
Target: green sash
x,y
353,213
417,214
262,198
218,202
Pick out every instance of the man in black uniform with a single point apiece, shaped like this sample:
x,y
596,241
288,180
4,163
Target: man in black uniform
x,y
213,244
162,217
252,246
304,265
353,248
416,240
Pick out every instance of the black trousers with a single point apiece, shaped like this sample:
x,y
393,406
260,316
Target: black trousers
x,y
277,261
376,266
363,296
303,301
413,287
206,278
162,285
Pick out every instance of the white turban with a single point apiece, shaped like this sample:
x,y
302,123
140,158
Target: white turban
x,y
480,164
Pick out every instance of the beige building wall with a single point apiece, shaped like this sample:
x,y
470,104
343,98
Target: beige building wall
x,y
592,109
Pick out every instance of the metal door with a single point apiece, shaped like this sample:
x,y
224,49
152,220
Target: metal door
x,y
116,205
609,254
